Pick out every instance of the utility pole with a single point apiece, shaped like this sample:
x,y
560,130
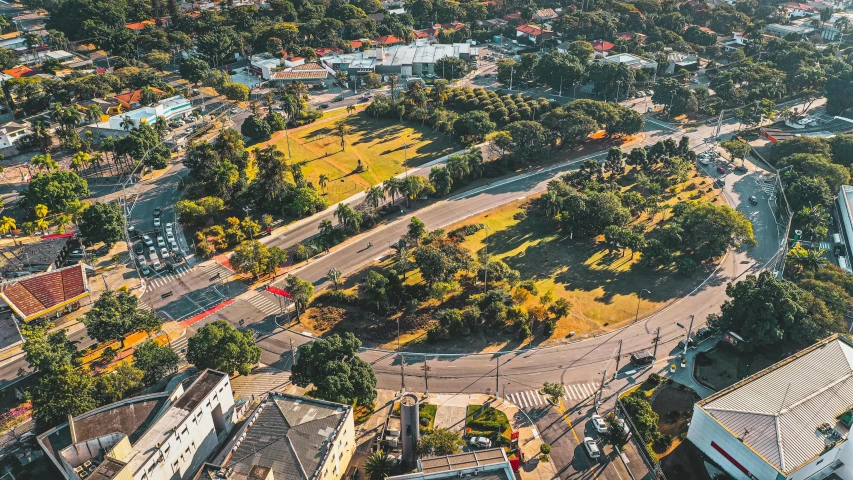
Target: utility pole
x,y
618,355
601,387
292,355
561,85
486,270
511,70
426,375
687,340
656,340
497,375
402,360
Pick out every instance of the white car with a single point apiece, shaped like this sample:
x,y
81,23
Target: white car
x,y
480,442
170,237
147,240
156,263
140,260
704,160
181,123
157,222
591,447
169,227
160,241
174,246
599,424
152,252
164,252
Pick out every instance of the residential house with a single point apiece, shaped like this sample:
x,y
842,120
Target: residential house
x,y
11,132
313,73
510,17
680,60
533,34
601,48
789,421
287,437
60,56
160,436
493,24
545,15
138,27
490,464
51,293
132,100
800,10
782,31
389,40
629,36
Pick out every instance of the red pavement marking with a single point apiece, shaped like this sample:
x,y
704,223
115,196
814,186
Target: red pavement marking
x,y
206,313
223,260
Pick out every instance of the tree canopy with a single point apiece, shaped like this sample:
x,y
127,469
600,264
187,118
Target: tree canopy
x,y
222,347
333,367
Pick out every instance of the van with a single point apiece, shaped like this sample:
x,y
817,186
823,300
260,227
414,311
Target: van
x,y
642,358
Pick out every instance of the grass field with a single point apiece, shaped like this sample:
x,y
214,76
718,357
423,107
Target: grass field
x,y
378,143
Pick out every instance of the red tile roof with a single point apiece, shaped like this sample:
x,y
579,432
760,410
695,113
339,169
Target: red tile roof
x,y
21,71
356,43
512,16
137,26
325,51
388,40
530,30
602,45
42,293
134,96
420,34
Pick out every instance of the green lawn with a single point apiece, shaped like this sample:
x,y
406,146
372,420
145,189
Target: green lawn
x,y
482,421
378,143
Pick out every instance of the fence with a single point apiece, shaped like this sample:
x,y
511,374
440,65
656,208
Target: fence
x,y
648,457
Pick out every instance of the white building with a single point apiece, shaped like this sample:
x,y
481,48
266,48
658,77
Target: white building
x,y
405,61
264,65
148,437
790,421
168,108
10,133
489,464
630,60
288,437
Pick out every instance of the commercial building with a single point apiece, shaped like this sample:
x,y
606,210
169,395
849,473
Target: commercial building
x,y
164,436
168,108
10,133
490,464
313,73
287,437
49,293
631,61
845,214
790,421
33,257
403,61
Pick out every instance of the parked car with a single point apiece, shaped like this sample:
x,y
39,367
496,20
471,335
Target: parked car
x,y
233,111
160,241
140,260
704,160
721,170
339,98
480,442
591,447
703,333
170,237
169,227
642,358
152,252
753,200
157,212
164,252
144,269
174,245
156,222
138,249
156,263
323,106
147,240
599,424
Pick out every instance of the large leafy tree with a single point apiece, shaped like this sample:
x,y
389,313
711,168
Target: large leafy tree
x,y
56,190
117,384
710,229
440,259
46,350
559,70
102,222
332,365
222,347
766,311
59,393
117,313
438,443
302,292
642,416
155,360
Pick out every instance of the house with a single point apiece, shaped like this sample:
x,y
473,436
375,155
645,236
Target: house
x,y
782,31
533,33
60,56
326,51
169,108
513,17
629,36
138,27
545,15
800,10
313,73
287,437
493,24
388,40
631,61
601,48
680,60
20,71
789,421
161,436
490,464
131,100
11,132
49,293
358,45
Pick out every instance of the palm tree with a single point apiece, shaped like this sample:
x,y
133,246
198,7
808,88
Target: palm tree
x,y
807,260
343,130
7,224
126,123
378,466
162,126
457,165
93,113
476,166
44,162
347,217
75,209
61,221
393,187
42,225
334,276
40,210
441,180
326,228
29,228
80,160
350,109
842,25
552,202
324,180
374,196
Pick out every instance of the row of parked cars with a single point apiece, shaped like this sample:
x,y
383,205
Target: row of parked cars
x,y
163,244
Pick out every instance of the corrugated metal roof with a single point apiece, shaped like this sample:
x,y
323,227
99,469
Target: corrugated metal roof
x,y
777,411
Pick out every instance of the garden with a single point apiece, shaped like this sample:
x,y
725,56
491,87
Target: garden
x,y
426,413
483,421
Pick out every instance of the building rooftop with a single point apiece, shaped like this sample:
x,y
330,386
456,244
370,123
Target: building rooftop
x,y
43,293
288,434
630,60
492,465
18,72
602,45
778,411
135,96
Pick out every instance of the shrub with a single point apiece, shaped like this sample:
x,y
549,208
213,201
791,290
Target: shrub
x,y
332,296
663,442
654,379
545,448
703,359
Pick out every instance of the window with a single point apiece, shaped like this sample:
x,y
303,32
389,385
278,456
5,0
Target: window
x,y
185,430
175,467
187,451
166,451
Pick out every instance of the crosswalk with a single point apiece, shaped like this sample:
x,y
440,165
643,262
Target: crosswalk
x,y
825,246
533,398
768,188
265,302
163,279
179,346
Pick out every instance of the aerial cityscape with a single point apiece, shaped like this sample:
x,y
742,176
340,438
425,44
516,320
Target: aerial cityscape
x,y
426,240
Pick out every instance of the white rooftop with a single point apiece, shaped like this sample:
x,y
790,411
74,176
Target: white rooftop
x,y
777,411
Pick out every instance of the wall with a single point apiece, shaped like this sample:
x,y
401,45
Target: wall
x,y
341,450
78,453
843,451
704,429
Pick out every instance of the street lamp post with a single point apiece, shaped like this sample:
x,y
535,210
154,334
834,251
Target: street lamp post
x,y
400,353
486,270
639,297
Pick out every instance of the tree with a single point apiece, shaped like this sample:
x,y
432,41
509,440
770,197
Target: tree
x,y
235,91
61,392
155,360
333,366
117,384
46,350
55,190
529,140
766,311
373,289
102,222
644,419
438,443
473,126
442,180
251,257
711,229
6,225
616,434
374,196
222,347
804,191
256,128
804,260
416,229
349,219
451,68
157,59
378,466
334,276
553,390
738,149
115,314
302,292
441,259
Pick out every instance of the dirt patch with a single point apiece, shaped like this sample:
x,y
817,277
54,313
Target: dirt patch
x,y
674,406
